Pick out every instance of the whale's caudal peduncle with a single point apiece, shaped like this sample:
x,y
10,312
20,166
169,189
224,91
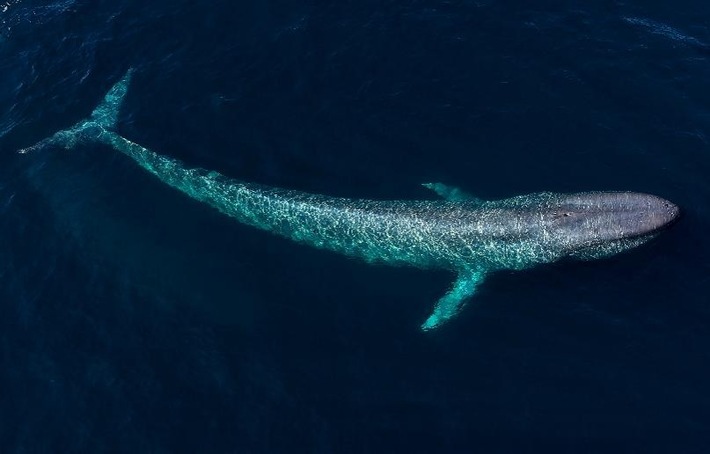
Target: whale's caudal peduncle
x,y
468,236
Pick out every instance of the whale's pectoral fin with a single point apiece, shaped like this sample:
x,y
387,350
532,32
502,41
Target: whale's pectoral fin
x,y
452,193
450,304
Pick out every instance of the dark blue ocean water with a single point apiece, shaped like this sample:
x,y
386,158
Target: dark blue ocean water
x,y
133,319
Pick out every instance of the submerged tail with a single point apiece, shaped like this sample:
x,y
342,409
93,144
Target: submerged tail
x,y
297,216
106,113
102,120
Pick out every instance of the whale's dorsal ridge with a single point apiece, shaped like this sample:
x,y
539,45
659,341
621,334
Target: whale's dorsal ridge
x,y
452,193
451,304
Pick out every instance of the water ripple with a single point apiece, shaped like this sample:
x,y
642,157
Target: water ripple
x,y
658,28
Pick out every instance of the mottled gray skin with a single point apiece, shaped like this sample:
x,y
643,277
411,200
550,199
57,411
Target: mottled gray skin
x,y
514,233
468,236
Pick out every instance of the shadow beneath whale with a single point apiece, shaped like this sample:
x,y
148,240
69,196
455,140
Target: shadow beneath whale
x,y
125,225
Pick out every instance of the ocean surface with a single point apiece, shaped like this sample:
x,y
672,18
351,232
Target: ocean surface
x,y
136,320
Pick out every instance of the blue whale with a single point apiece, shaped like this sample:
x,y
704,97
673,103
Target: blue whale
x,y
457,232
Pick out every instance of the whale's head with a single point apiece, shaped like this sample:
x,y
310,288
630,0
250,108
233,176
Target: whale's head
x,y
592,224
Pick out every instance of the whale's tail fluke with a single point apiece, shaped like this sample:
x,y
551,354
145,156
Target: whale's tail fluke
x,y
102,120
106,113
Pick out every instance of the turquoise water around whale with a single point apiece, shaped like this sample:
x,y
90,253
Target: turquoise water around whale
x,y
134,319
